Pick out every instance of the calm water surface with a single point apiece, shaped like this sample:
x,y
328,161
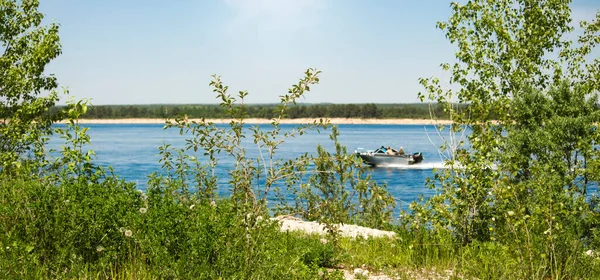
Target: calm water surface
x,y
132,150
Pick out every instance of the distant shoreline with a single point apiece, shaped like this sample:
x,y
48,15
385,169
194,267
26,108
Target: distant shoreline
x,y
267,121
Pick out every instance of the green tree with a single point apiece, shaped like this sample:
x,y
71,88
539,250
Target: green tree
x,y
532,117
369,111
132,111
26,93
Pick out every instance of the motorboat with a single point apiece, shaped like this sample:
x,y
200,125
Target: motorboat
x,y
389,157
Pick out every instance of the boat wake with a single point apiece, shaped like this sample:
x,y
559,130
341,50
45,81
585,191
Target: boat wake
x,y
425,166
421,166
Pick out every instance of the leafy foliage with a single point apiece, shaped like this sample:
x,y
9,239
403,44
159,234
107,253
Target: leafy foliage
x,y
73,216
338,190
524,181
26,93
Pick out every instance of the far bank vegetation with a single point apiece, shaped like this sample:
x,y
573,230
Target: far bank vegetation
x,y
268,111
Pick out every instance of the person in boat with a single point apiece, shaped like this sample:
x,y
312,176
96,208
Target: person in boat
x,y
389,151
401,151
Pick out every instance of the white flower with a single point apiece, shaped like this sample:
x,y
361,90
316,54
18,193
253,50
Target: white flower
x,y
213,203
99,249
128,233
143,210
590,253
510,213
493,219
122,229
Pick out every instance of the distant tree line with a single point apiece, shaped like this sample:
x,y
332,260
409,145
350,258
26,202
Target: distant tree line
x,y
367,111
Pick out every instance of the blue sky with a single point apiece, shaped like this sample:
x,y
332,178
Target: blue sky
x,y
151,51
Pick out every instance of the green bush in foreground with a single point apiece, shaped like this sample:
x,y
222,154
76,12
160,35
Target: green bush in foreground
x,y
50,233
71,224
75,219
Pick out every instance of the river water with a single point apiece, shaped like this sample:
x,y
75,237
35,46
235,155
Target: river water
x,y
132,151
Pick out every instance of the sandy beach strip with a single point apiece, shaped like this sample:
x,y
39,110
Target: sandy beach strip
x,y
267,121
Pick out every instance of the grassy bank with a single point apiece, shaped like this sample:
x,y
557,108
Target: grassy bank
x,y
106,229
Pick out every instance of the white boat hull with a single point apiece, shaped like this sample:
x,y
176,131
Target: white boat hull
x,y
380,159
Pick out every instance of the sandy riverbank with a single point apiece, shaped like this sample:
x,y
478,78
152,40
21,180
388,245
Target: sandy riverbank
x,y
266,121
290,223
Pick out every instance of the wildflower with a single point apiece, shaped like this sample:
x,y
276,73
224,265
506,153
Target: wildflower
x,y
213,203
590,253
143,195
122,229
192,206
143,210
99,249
493,219
128,233
510,213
